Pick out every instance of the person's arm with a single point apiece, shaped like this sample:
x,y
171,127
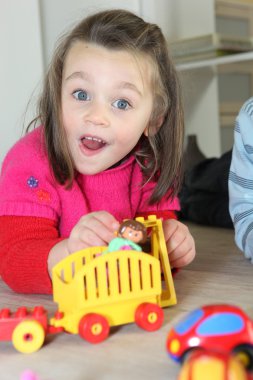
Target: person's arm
x,y
241,180
25,243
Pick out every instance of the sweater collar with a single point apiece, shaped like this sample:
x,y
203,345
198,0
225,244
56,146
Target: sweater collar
x,y
117,176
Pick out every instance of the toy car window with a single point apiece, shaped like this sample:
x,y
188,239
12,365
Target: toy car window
x,y
221,324
187,323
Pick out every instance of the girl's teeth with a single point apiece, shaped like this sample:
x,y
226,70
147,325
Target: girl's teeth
x,y
92,143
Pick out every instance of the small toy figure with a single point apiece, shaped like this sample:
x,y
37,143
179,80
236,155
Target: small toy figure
x,y
130,233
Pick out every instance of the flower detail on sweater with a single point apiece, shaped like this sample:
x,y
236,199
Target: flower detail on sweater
x,y
32,182
43,196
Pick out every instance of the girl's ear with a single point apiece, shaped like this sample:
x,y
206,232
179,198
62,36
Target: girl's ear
x,y
154,126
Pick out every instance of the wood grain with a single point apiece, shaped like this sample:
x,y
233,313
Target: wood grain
x,y
219,274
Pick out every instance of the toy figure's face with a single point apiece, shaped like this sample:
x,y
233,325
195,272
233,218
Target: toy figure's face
x,y
131,234
107,102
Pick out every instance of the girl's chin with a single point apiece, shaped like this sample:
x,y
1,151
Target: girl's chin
x,y
90,169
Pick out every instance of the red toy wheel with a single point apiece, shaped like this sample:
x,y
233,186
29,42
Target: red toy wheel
x,y
94,328
149,316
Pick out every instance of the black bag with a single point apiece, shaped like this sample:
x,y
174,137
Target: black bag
x,y
204,194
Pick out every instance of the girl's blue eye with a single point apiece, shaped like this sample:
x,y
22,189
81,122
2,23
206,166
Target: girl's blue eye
x,y
121,104
80,95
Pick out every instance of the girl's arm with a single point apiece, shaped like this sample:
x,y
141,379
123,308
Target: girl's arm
x,y
31,246
25,243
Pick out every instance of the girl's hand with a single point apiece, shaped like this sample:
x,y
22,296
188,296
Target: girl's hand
x,y
180,243
94,229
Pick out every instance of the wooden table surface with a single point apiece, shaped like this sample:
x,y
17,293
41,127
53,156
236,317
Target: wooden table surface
x,y
219,274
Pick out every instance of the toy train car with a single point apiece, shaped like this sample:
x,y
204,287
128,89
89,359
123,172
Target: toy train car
x,y
95,291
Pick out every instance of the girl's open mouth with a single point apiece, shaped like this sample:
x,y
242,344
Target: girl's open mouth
x,y
92,143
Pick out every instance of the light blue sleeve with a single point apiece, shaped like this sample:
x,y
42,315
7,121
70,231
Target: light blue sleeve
x,y
241,180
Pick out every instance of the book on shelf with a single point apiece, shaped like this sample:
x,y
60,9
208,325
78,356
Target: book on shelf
x,y
231,107
208,46
227,120
200,56
228,112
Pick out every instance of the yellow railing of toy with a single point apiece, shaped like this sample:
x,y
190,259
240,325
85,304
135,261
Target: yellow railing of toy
x,y
84,280
159,250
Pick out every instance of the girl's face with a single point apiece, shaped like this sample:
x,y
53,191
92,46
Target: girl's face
x,y
107,101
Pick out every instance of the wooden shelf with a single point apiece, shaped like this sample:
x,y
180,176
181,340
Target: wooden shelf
x,y
240,57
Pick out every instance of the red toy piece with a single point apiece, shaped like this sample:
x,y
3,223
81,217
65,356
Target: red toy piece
x,y
26,329
220,328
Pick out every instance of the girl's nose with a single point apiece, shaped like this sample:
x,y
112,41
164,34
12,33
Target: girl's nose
x,y
97,114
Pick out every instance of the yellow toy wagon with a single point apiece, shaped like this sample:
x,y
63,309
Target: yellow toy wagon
x,y
96,291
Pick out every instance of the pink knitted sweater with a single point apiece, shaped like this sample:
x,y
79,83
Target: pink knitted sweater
x,y
28,189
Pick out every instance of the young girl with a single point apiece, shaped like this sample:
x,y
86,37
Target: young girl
x,y
108,148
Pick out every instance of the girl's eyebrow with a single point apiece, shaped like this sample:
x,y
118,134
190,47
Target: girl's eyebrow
x,y
80,75
85,76
130,86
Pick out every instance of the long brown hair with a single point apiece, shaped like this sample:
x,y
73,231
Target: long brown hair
x,y
159,155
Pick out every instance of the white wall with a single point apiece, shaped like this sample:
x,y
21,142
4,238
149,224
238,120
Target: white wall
x,y
59,16
183,19
193,18
180,18
21,65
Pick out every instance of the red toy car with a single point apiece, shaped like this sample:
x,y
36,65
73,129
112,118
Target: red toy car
x,y
221,328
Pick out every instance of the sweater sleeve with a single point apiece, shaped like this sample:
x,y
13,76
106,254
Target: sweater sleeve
x,y
241,180
25,243
27,186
